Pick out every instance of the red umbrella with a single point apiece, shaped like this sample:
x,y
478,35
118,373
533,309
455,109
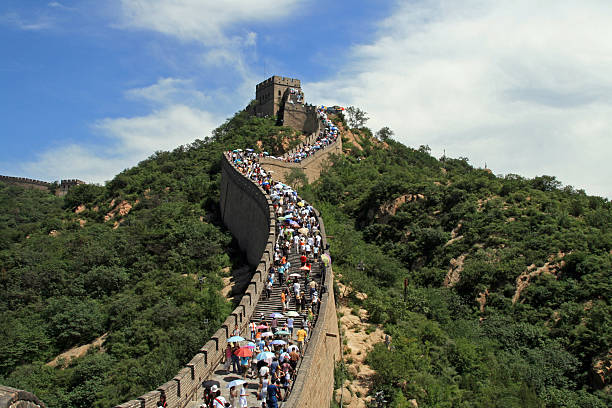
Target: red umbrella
x,y
262,326
244,352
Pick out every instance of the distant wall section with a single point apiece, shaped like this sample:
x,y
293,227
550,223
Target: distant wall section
x,y
311,166
24,182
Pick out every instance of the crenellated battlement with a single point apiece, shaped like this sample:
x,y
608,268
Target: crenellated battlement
x,y
24,180
64,185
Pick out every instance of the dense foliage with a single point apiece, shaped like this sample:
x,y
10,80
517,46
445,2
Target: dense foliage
x,y
397,213
76,268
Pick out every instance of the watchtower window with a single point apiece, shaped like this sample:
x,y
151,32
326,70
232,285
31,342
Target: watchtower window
x,y
279,93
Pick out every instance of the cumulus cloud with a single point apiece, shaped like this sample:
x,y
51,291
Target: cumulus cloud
x,y
163,129
520,86
131,139
168,91
207,21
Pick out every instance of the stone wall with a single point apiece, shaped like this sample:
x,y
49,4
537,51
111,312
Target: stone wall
x,y
249,215
64,185
14,398
311,166
25,182
300,117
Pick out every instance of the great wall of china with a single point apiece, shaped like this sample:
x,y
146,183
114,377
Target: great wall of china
x,y
248,213
62,187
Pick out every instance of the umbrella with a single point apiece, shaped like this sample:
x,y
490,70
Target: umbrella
x,y
277,342
303,231
266,355
244,352
294,224
266,153
235,339
304,268
276,315
281,218
261,326
279,185
292,313
267,334
295,275
301,204
249,150
292,347
236,383
210,383
282,332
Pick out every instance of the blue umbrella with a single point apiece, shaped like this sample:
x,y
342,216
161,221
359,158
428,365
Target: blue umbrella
x,y
277,342
235,339
265,355
276,315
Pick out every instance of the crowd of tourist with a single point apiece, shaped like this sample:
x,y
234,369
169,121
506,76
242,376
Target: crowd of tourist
x,y
276,343
326,136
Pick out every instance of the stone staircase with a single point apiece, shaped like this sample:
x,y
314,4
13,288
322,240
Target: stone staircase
x,y
273,304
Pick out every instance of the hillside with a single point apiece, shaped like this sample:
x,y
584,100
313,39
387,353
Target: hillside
x,y
139,261
507,302
507,280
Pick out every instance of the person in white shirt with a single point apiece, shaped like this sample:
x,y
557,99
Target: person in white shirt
x,y
218,401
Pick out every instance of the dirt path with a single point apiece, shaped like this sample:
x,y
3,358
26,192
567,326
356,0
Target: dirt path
x,y
77,352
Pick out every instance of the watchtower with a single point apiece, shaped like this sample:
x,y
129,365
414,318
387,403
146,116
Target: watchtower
x,y
270,94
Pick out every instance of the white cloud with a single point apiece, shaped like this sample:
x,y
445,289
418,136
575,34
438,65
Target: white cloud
x,y
130,139
168,91
163,129
206,21
75,161
35,24
522,86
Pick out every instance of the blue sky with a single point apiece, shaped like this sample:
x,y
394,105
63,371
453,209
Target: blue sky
x,y
88,88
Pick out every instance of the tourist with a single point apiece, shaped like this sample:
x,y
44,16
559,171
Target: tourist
x,y
218,400
274,395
